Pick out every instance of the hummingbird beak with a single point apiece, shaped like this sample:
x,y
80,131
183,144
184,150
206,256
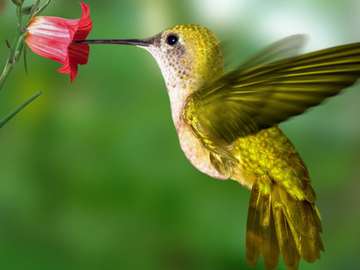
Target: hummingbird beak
x,y
132,42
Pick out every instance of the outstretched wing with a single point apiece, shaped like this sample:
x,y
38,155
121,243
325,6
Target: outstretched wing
x,y
284,48
255,97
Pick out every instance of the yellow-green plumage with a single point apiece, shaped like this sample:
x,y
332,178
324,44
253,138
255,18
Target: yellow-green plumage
x,y
282,213
234,116
227,127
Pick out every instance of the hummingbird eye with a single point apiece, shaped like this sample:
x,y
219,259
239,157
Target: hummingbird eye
x,y
172,39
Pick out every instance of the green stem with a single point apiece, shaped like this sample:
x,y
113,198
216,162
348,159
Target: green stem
x,y
14,56
11,115
42,7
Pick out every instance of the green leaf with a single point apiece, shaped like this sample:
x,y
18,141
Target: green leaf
x,y
11,115
27,10
34,8
8,45
41,8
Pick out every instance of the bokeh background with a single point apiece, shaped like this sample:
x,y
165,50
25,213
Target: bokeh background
x,y
92,176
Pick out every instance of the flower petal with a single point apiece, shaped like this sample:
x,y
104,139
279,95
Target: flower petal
x,y
48,37
52,38
78,54
85,23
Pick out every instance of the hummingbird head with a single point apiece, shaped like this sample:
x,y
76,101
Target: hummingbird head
x,y
188,55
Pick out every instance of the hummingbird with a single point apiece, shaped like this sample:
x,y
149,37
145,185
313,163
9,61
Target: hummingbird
x,y
227,125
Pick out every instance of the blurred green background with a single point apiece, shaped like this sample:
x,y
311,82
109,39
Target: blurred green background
x,y
92,176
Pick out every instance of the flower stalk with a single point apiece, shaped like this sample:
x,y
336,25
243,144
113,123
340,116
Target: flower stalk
x,y
11,115
15,54
16,50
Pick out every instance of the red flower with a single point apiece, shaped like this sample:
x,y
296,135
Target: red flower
x,y
53,38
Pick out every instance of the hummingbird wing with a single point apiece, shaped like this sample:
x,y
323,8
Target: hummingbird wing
x,y
284,48
255,97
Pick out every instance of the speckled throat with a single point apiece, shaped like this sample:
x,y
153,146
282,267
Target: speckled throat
x,y
185,69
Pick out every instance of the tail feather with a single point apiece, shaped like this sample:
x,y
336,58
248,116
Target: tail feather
x,y
304,220
270,248
253,234
280,224
286,239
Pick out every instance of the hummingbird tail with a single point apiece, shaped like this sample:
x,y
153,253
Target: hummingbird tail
x,y
281,224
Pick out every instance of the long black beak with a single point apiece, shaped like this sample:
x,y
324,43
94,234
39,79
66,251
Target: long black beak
x,y
133,42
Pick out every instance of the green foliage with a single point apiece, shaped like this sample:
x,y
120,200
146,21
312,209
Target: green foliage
x,y
92,177
18,48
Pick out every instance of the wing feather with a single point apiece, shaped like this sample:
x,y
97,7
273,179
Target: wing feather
x,y
254,97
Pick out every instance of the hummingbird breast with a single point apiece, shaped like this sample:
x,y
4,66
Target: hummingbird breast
x,y
195,152
192,147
